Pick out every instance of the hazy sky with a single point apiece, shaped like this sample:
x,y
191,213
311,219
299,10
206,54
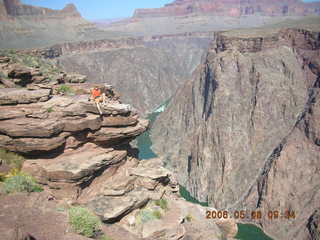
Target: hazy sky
x,y
103,9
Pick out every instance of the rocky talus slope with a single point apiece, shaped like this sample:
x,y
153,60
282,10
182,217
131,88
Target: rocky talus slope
x,y
80,157
244,133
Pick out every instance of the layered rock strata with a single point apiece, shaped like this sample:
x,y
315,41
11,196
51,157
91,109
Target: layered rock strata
x,y
82,157
247,128
232,8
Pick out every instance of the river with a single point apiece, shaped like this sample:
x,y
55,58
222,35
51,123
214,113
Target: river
x,y
144,143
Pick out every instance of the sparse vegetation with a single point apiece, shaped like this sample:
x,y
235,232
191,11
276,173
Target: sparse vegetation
x,y
50,109
20,182
157,214
189,218
64,89
12,159
84,222
162,203
105,237
146,215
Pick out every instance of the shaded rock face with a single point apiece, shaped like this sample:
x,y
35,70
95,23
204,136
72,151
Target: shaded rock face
x,y
145,75
243,132
232,8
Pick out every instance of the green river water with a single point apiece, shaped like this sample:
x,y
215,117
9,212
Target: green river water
x,y
245,231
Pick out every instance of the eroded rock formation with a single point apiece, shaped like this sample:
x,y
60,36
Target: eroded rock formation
x,y
243,133
232,8
81,157
14,8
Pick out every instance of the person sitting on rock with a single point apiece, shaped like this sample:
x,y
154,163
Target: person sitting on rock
x,y
97,97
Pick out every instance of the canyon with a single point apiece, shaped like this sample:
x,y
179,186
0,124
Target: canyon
x,y
232,8
81,157
243,133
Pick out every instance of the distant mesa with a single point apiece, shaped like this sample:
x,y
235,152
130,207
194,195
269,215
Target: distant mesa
x,y
233,8
14,8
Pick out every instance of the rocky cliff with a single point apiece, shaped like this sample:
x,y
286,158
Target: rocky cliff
x,y
26,26
243,134
83,158
232,8
146,72
14,8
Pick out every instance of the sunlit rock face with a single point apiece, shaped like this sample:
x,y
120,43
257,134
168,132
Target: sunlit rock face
x,y
243,132
232,8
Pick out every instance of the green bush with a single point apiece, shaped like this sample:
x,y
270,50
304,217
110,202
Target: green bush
x,y
20,183
157,214
162,203
12,159
83,221
50,110
188,218
64,89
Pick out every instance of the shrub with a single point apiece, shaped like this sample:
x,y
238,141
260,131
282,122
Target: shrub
x,y
157,214
83,221
20,183
12,159
64,89
162,203
188,218
50,110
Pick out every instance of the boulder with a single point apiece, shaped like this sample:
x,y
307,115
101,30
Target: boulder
x,y
110,209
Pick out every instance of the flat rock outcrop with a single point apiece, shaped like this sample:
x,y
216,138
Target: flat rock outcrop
x,y
244,133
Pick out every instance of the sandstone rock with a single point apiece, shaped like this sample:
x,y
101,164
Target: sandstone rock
x,y
150,168
31,127
110,209
76,124
21,73
9,96
78,165
32,215
113,134
7,83
26,145
4,59
118,121
9,112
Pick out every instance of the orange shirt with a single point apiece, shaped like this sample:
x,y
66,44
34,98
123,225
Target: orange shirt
x,y
95,93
